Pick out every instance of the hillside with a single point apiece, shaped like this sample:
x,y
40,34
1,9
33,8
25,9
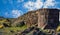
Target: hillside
x,y
29,18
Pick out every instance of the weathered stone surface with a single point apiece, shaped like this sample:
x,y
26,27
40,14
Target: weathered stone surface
x,y
39,17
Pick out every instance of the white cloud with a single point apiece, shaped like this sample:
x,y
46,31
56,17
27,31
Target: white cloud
x,y
29,5
39,4
16,13
49,3
33,5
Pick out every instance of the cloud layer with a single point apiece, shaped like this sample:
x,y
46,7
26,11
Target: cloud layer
x,y
30,5
16,13
49,3
40,4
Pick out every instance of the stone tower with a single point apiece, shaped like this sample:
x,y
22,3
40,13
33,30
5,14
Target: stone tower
x,y
42,18
48,18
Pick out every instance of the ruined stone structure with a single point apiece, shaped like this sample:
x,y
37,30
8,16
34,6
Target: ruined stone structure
x,y
45,18
42,18
53,19
48,18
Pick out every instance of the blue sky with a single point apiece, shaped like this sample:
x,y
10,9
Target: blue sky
x,y
16,8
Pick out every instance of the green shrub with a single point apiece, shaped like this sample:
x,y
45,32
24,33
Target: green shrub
x,y
20,24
